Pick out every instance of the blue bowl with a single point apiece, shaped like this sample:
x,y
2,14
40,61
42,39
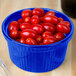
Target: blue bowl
x,y
36,58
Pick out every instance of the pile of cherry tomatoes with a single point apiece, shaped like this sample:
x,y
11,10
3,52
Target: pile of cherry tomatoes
x,y
38,28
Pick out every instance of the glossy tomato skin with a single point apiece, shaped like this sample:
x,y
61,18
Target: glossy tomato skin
x,y
43,12
31,41
20,20
28,33
47,34
39,38
26,13
22,40
60,19
27,19
51,13
38,28
13,26
66,23
50,19
49,40
14,34
59,36
38,12
35,19
24,26
63,28
49,27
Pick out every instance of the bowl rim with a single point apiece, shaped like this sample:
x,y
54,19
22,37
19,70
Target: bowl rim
x,y
67,37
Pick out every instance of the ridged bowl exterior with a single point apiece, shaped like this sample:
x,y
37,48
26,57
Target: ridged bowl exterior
x,y
36,58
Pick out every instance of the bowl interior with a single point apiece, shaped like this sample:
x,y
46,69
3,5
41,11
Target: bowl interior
x,y
17,15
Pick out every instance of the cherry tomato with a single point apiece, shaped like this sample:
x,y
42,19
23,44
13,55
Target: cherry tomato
x,y
41,23
41,19
38,12
31,41
19,34
24,26
28,33
59,36
22,40
39,38
13,34
26,13
38,28
60,19
35,19
13,26
47,34
17,40
41,44
50,19
20,20
43,12
49,27
49,40
63,28
51,13
27,19
66,23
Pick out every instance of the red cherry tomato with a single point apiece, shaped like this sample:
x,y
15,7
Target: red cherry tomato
x,y
22,40
24,26
59,36
31,41
60,19
35,19
63,28
13,26
39,38
51,13
38,28
41,44
28,33
43,12
17,40
26,13
14,34
27,19
50,19
38,12
41,19
19,34
49,40
47,34
66,23
49,27
20,20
